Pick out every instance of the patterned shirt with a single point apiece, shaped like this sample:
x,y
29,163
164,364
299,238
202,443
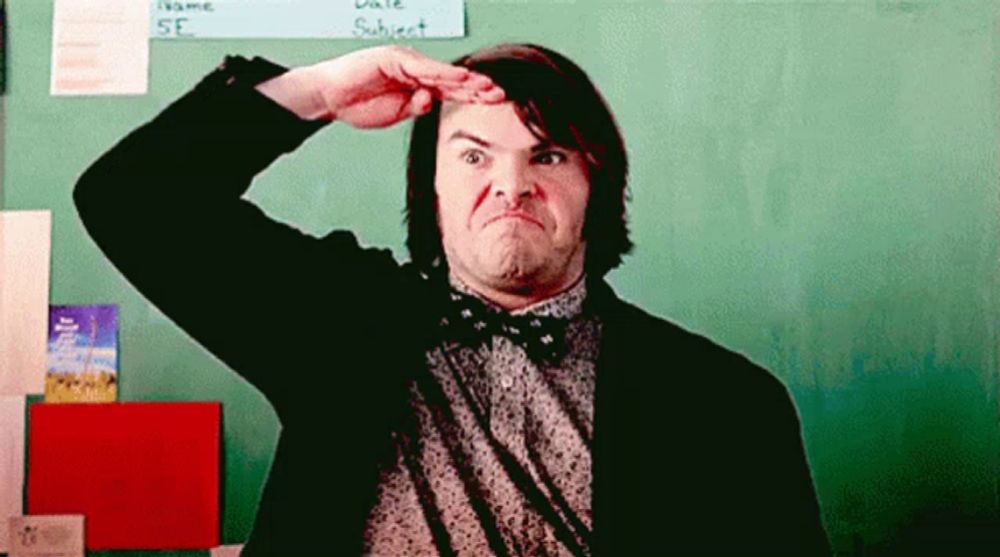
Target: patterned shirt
x,y
495,459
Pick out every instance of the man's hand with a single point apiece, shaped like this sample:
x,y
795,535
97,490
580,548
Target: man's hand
x,y
376,87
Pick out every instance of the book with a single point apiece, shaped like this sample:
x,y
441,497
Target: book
x,y
82,354
146,475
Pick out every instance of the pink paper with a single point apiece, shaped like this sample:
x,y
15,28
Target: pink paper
x,y
100,47
11,463
25,249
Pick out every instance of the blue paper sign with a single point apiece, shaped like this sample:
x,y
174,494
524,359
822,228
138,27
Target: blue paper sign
x,y
340,19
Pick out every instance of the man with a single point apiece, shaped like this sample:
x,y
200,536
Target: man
x,y
493,396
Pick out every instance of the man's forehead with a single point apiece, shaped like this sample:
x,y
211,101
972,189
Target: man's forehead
x,y
449,109
490,125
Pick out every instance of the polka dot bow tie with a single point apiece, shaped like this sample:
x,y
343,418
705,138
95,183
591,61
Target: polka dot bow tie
x,y
469,320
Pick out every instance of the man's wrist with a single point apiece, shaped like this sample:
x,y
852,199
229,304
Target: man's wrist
x,y
240,72
229,96
297,91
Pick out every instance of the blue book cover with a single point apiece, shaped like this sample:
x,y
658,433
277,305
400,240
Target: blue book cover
x,y
82,354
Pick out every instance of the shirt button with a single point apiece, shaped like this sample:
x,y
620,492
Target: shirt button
x,y
506,382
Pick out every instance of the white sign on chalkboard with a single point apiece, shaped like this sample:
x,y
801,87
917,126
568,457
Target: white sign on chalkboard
x,y
341,19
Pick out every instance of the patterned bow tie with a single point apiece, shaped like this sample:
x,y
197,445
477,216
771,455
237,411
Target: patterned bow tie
x,y
469,320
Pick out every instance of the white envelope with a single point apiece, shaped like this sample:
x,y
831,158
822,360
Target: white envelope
x,y
46,536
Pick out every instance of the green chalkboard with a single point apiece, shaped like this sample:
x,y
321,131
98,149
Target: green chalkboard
x,y
814,185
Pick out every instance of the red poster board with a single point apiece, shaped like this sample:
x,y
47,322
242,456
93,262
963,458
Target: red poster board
x,y
145,475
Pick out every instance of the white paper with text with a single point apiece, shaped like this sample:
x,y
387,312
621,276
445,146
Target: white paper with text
x,y
338,19
100,47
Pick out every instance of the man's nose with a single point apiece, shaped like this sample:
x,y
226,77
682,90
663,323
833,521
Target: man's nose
x,y
513,182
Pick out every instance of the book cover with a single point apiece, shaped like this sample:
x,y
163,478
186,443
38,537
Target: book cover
x,y
146,475
82,354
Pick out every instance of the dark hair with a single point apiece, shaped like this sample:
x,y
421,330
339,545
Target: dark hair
x,y
556,100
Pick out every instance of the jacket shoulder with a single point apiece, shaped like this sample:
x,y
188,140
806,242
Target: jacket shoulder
x,y
706,364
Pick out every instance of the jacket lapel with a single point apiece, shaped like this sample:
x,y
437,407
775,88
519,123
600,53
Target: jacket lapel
x,y
617,441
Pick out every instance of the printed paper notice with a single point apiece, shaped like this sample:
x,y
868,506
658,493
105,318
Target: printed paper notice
x,y
226,551
100,47
25,250
338,19
11,462
55,535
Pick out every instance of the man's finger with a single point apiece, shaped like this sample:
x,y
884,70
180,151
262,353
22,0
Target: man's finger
x,y
455,94
472,82
492,94
479,81
403,74
420,102
446,81
476,85
422,67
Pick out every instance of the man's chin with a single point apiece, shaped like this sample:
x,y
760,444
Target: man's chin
x,y
513,275
513,266
513,271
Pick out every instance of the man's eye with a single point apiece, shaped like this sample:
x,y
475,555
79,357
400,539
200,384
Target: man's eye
x,y
550,157
473,157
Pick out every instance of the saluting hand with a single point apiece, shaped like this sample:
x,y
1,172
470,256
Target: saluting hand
x,y
377,87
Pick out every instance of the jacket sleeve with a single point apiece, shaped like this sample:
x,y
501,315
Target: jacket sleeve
x,y
165,207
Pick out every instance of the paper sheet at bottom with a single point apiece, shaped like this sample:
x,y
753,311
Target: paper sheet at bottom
x,y
226,551
11,462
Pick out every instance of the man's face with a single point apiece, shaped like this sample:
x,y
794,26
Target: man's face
x,y
510,206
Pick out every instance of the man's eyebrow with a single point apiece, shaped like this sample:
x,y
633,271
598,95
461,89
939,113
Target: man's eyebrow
x,y
462,134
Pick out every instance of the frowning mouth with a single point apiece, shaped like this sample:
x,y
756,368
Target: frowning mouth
x,y
517,215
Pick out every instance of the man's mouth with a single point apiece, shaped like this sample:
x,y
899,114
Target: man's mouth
x,y
517,215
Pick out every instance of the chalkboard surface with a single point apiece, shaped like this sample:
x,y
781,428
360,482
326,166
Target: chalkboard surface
x,y
814,185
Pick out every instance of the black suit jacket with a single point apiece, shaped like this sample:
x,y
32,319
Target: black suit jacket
x,y
695,449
